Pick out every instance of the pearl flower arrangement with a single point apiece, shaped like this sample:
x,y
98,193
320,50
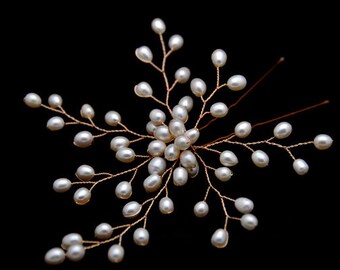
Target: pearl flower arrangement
x,y
173,153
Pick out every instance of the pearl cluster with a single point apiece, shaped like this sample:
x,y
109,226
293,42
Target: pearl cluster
x,y
173,154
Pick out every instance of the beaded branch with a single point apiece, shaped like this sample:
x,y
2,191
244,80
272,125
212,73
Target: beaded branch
x,y
172,153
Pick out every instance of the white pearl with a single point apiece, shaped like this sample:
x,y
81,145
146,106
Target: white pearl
x,y
300,166
242,129
157,117
152,183
175,42
171,152
71,239
260,158
220,238
82,196
201,209
112,118
166,205
150,127
198,87
188,159
180,176
237,82
244,205
123,190
179,112
141,236
249,221
182,142
61,185
193,171
144,54
75,253
156,148
176,127
163,134
182,74
193,134
157,165
219,110
131,209
187,102
116,253
103,231
228,158
55,123
55,101
85,172
143,89
219,58
55,256
119,142
83,139
282,130
158,26
32,100
126,155
223,174
87,111
323,141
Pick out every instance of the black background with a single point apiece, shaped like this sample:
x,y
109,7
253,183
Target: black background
x,y
85,53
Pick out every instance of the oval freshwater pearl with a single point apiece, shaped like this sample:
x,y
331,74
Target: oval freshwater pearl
x,y
131,209
32,100
61,185
163,134
83,139
126,155
180,176
323,141
242,129
188,159
55,256
143,89
157,165
300,166
112,118
144,54
71,239
158,26
55,101
198,87
244,205
85,172
75,252
220,238
152,183
141,236
193,171
166,205
260,158
103,231
82,196
55,123
176,127
156,148
219,110
150,127
157,116
171,152
193,134
119,142
219,58
87,111
175,42
228,158
282,130
237,82
179,112
223,174
187,102
123,190
182,75
116,253
182,142
201,209
249,221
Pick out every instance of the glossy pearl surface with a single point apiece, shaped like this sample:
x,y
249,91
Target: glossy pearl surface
x,y
32,100
166,205
175,42
75,252
156,148
220,238
144,54
260,158
282,130
85,172
71,239
244,205
228,158
87,111
237,82
123,190
219,58
55,123
55,101
119,142
143,89
61,185
82,196
112,118
182,74
193,171
180,176
323,141
83,139
193,134
219,110
55,256
198,87
125,155
176,127
116,253
103,231
180,113
150,127
249,221
157,116
182,142
201,209
158,26
152,183
188,159
223,174
300,166
141,236
187,102
242,129
171,152
157,165
131,209
163,134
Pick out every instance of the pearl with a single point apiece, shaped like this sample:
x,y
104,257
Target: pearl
x,y
55,101
141,236
55,123
112,118
55,256
126,155
249,221
187,102
157,117
242,129
198,87
152,183
219,58
244,205
157,165
193,171
176,127
180,176
166,205
150,127
85,172
188,159
180,113
32,100
83,139
143,89
119,142
223,174
131,209
82,196
182,142
87,111
116,253
171,152
163,134
323,141
75,253
201,209
193,134
123,190
220,238
156,148
300,166
260,158
228,158
158,26
219,110
182,75
175,42
282,130
144,54
61,185
236,82
103,231
71,239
